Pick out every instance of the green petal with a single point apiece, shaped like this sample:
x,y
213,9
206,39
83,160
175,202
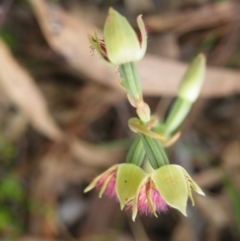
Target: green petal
x,y
196,188
121,40
172,186
150,202
193,184
129,176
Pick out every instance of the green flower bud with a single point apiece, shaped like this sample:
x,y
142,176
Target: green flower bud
x,y
120,44
193,79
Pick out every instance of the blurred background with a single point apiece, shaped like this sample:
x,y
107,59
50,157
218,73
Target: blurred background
x,y
63,118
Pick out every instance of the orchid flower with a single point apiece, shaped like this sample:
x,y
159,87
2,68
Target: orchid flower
x,y
169,185
121,44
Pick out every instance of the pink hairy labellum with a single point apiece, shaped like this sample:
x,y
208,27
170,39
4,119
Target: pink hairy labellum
x,y
146,195
108,183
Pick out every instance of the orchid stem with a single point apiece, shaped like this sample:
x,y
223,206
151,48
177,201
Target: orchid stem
x,y
178,113
136,152
131,80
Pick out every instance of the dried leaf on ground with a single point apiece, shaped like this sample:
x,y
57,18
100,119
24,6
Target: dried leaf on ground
x,y
19,86
33,238
207,16
67,35
183,232
96,156
213,210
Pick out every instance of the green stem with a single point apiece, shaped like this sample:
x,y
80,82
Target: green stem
x,y
131,80
178,113
136,152
154,151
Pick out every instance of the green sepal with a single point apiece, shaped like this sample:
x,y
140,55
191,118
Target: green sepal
x,y
136,152
154,152
171,184
129,176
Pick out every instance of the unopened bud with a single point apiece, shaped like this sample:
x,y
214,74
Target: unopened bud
x,y
193,79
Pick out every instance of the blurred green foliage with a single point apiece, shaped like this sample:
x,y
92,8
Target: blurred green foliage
x,y
7,152
8,37
234,61
209,42
12,194
234,196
